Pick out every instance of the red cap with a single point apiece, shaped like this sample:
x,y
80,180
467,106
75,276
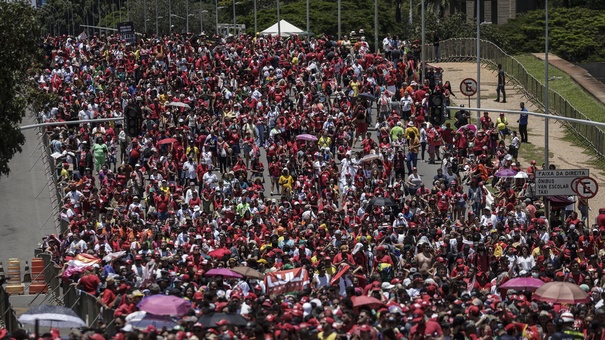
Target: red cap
x,y
418,315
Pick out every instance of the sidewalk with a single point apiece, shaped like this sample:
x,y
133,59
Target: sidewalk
x,y
563,154
580,75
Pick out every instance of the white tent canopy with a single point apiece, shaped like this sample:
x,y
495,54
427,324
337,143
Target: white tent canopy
x,y
286,29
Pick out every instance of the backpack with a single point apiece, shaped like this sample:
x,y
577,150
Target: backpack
x,y
454,165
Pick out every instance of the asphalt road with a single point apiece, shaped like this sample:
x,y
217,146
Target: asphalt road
x,y
26,204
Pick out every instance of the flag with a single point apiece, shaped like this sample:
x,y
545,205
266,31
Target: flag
x,y
286,281
340,274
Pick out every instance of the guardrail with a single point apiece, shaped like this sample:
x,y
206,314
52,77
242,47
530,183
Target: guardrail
x,y
86,306
8,317
465,49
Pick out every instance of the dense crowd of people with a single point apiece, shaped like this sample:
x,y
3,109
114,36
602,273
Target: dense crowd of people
x,y
285,153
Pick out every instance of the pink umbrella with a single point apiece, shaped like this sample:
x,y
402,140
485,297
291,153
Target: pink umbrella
x,y
224,272
169,305
561,292
523,283
306,137
468,127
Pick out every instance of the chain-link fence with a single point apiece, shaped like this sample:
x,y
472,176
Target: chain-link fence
x,y
465,49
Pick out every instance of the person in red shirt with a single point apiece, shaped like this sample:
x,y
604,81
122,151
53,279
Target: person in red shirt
x,y
423,328
89,282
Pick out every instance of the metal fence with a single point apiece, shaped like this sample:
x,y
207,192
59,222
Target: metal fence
x,y
465,49
8,317
87,308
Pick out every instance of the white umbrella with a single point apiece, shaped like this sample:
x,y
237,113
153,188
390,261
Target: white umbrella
x,y
56,155
52,316
179,104
521,174
369,157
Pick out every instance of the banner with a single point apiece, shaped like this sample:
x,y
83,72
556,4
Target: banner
x,y
286,281
126,32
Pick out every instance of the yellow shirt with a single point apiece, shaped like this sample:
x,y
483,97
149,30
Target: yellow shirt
x,y
355,86
411,129
321,336
196,152
324,142
286,181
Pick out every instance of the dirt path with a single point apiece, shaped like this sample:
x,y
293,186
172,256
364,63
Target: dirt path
x,y
562,153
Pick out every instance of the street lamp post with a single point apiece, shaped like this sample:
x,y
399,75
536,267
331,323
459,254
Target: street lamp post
x,y
478,61
308,17
546,109
376,26
278,21
170,16
201,17
339,31
216,14
234,21
255,25
422,48
187,11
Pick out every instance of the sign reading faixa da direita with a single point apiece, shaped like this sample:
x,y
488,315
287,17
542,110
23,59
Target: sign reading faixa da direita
x,y
558,182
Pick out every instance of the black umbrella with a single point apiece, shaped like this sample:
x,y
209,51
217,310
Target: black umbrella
x,y
210,320
382,202
367,96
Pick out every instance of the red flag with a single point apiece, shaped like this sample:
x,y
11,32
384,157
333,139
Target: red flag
x,y
286,281
340,273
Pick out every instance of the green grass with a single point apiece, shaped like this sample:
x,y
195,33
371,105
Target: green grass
x,y
566,87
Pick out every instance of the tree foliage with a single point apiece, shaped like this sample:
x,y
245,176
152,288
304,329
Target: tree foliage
x,y
19,34
576,34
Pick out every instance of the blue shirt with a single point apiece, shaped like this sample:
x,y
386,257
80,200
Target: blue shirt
x,y
523,117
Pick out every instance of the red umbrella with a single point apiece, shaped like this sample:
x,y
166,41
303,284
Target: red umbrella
x,y
219,253
167,141
367,301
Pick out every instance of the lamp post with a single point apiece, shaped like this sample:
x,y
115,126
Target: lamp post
x,y
201,17
546,111
170,16
478,61
216,14
234,21
376,26
255,25
278,21
308,17
422,49
157,26
187,16
339,30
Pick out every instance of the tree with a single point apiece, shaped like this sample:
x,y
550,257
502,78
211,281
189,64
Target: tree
x,y
19,34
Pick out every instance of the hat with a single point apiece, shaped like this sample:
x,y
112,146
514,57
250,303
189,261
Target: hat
x,y
222,322
567,317
387,286
418,315
137,293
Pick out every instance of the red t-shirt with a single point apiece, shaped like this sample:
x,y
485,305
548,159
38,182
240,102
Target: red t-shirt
x,y
89,284
429,328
